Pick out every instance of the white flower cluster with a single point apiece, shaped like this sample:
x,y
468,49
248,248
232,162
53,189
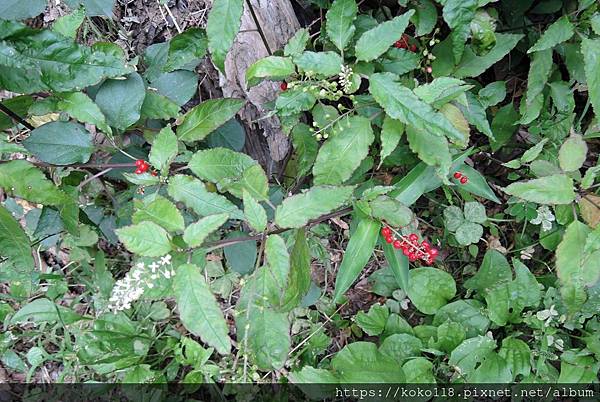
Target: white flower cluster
x,y
136,281
545,217
346,78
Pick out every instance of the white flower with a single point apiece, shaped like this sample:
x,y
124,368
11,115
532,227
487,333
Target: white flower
x,y
346,78
527,253
545,217
547,315
166,259
154,266
140,265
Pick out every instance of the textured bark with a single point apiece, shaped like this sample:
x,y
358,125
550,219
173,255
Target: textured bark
x,y
276,19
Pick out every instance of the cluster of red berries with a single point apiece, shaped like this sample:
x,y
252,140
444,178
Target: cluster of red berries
x,y
402,43
410,246
284,86
461,177
142,167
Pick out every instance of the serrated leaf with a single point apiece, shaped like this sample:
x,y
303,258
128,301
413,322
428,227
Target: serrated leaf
x,y
294,101
532,153
458,14
425,17
14,244
342,153
321,64
145,238
472,65
162,212
391,211
539,72
572,153
358,253
306,147
43,310
121,100
24,180
297,43
157,106
69,24
271,67
207,117
194,195
185,48
391,133
560,31
576,266
402,104
79,106
255,214
378,40
164,149
296,211
299,279
431,148
340,19
591,58
554,189
441,90
222,27
475,114
60,143
492,94
199,310
195,234
430,288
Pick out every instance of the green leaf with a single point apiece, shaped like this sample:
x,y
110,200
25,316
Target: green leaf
x,y
321,64
441,90
458,14
391,133
69,24
24,180
18,10
179,86
94,8
199,310
207,117
164,150
453,218
539,72
222,27
400,61
14,244
467,313
361,362
525,289
185,48
472,65
468,233
340,22
79,106
431,148
425,17
145,238
294,101
342,153
398,262
194,195
475,212
390,210
518,356
300,272
419,371
357,255
572,153
470,353
590,48
271,67
494,270
121,100
575,265
60,143
296,211
449,335
43,310
230,135
560,31
306,147
20,105
241,256
503,126
43,61
494,368
297,43
430,288
157,106
378,40
554,189
254,212
162,212
402,104
373,322
278,269
401,347
492,94
195,234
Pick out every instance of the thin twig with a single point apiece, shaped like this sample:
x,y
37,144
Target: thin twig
x,y
89,179
15,116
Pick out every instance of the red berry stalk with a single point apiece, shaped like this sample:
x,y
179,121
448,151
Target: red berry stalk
x,y
410,245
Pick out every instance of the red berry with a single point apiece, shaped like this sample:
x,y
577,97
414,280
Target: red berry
x,y
413,48
464,180
139,171
457,175
429,69
412,257
429,261
413,237
397,44
154,173
389,239
397,244
406,251
284,86
139,162
433,252
426,246
144,167
385,232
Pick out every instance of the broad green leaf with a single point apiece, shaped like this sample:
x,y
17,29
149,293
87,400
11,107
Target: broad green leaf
x,y
472,65
468,233
467,313
475,212
230,135
572,153
241,257
361,362
498,300
390,210
574,264
357,255
185,48
470,353
207,117
453,217
340,22
494,270
42,61
79,106
591,59
222,27
144,179
378,40
199,310
419,371
294,101
297,43
162,212
14,244
391,133
306,147
255,214
342,153
457,119
60,143
94,8
400,61
43,310
19,10
321,64
300,272
278,269
145,238
425,17
157,106
23,180
503,126
373,322
525,289
532,153
401,347
493,368
554,189
441,90
313,376
450,334
518,356
164,149
254,180
194,195
179,86
431,148
195,234
20,105
296,211
398,263
430,288
271,67
69,24
121,100
539,72
560,31
402,104
492,93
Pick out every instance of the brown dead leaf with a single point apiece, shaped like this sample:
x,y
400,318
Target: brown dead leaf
x,y
590,209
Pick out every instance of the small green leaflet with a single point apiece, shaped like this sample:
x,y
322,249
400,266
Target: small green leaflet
x,y
430,288
591,58
572,153
391,133
222,27
195,234
162,212
472,65
378,40
560,31
340,19
185,48
321,64
121,100
255,214
207,117
145,238
271,67
164,149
